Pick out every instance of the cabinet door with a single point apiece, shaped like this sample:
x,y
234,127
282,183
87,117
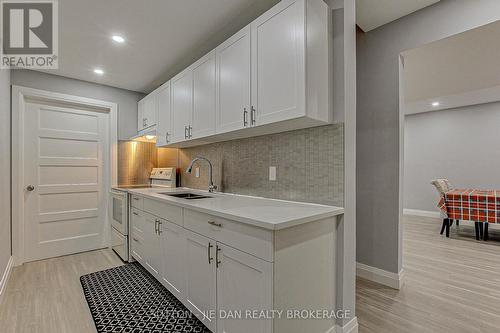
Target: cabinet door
x,y
150,110
173,253
204,96
182,104
137,234
152,245
201,278
233,82
278,63
244,282
141,121
163,128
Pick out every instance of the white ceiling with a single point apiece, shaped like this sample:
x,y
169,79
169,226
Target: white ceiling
x,y
162,37
165,36
459,64
371,14
457,71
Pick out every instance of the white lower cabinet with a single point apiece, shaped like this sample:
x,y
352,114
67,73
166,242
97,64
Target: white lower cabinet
x,y
229,274
152,244
137,233
244,286
201,278
173,257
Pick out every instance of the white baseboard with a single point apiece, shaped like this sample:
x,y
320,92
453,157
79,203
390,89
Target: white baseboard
x,y
350,327
424,213
390,279
6,275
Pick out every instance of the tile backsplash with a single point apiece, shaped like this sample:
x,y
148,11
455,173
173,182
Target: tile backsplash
x,y
309,164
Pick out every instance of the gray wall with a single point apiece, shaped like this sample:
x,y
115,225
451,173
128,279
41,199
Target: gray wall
x,y
459,144
5,240
309,162
126,99
379,169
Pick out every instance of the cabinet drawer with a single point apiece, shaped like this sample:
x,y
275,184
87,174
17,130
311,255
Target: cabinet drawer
x,y
137,225
166,211
137,201
249,239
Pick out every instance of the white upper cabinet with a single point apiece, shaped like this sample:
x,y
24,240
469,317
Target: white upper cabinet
x,y
182,105
233,82
272,76
146,109
164,127
278,64
203,119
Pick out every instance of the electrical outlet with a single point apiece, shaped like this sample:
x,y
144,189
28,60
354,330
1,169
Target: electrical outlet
x,y
197,172
272,173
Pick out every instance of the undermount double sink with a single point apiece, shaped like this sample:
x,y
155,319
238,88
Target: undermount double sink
x,y
187,195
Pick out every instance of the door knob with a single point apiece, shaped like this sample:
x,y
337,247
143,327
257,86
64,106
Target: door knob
x,y
30,188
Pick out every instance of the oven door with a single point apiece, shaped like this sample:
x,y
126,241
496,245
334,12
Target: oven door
x,y
119,211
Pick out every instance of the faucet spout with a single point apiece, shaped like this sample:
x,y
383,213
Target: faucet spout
x,y
211,186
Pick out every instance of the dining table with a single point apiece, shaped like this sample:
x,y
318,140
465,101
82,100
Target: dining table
x,y
479,206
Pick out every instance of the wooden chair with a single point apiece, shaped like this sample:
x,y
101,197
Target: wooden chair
x,y
443,185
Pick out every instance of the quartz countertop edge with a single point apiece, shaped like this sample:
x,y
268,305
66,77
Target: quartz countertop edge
x,y
271,214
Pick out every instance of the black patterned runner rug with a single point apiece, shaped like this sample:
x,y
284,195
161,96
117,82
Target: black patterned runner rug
x,y
129,299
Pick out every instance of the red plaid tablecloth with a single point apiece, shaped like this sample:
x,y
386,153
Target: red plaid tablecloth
x,y
472,205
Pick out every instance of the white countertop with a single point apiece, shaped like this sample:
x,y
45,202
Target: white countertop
x,y
270,214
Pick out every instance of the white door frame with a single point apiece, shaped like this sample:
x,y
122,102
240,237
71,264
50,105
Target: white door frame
x,y
19,96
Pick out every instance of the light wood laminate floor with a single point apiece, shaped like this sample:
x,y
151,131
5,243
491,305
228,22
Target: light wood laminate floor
x,y
46,296
451,285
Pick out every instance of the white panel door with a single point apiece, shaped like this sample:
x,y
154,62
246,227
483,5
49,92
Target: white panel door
x,y
152,244
233,82
201,278
164,111
66,151
204,96
244,282
278,63
173,252
182,105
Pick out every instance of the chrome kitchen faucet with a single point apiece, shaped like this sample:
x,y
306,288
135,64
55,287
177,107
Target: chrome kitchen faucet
x,y
211,186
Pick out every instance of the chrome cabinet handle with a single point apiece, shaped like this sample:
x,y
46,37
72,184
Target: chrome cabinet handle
x,y
252,116
156,226
159,227
135,214
30,188
185,132
217,261
135,239
190,131
215,224
209,250
137,199
166,137
245,112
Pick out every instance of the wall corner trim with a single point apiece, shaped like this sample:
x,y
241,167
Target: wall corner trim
x,y
424,213
350,327
386,278
6,275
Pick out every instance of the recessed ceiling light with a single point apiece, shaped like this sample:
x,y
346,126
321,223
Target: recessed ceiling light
x,y
435,103
98,71
118,38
